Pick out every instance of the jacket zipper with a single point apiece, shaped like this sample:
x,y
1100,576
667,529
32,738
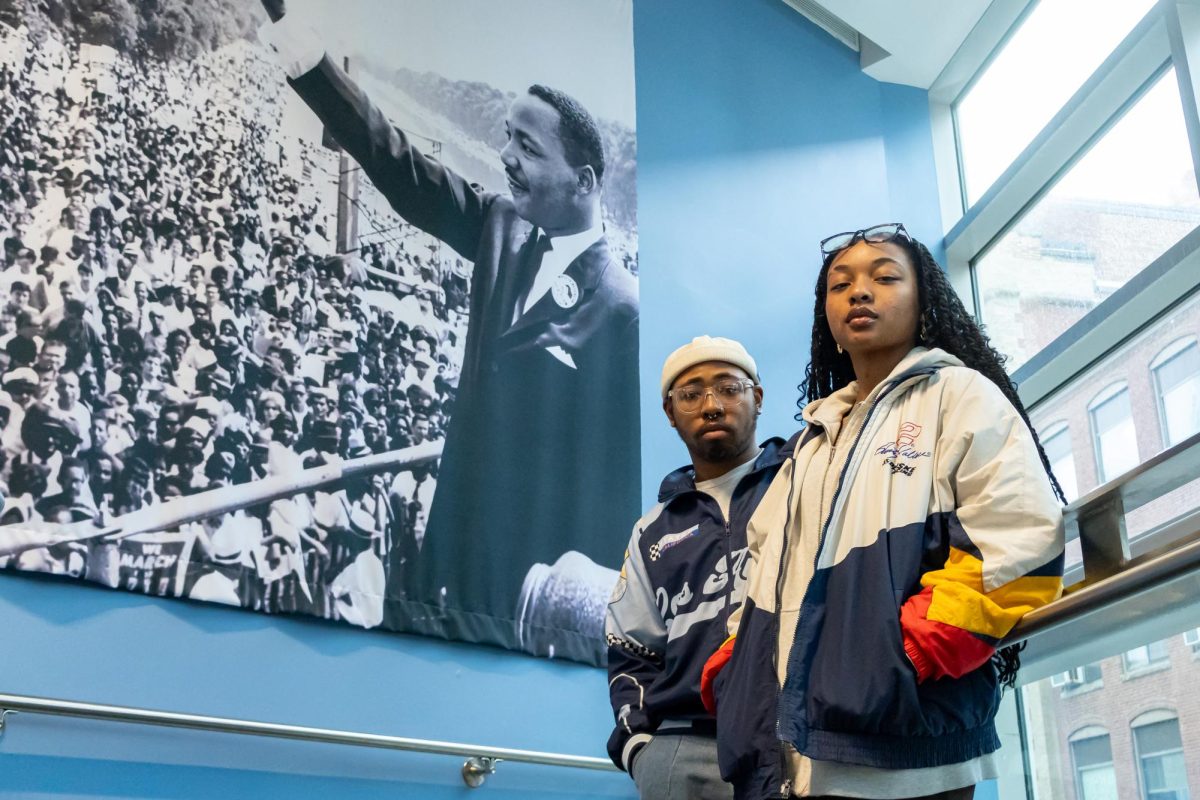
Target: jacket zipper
x,y
786,786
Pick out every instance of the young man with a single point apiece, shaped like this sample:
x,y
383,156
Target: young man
x,y
685,572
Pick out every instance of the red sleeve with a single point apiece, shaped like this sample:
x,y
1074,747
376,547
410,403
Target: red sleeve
x,y
938,650
715,663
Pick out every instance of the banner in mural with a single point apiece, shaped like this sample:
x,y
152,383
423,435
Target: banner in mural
x,y
324,309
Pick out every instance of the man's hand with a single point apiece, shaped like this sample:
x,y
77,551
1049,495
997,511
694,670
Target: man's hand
x,y
274,9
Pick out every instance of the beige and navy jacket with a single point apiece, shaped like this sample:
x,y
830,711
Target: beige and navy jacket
x,y
942,532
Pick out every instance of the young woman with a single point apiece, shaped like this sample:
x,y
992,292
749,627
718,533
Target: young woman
x,y
914,525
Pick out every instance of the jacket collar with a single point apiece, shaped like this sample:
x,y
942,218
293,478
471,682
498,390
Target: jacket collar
x,y
827,412
683,480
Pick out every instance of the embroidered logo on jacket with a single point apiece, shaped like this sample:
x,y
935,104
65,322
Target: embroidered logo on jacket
x,y
670,540
905,447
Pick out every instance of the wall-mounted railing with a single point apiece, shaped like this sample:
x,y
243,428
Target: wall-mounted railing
x,y
481,760
1127,591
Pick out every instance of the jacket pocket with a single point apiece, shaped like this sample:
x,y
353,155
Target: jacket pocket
x,y
747,692
861,681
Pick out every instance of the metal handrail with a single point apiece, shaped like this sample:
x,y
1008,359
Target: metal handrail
x,y
1177,562
1120,591
481,759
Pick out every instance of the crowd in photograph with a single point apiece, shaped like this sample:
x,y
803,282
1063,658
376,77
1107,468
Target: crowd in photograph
x,y
175,318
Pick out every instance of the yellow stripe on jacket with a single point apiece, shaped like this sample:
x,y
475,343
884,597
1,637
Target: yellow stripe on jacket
x,y
959,598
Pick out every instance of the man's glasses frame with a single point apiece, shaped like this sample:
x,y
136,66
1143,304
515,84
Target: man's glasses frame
x,y
727,392
876,234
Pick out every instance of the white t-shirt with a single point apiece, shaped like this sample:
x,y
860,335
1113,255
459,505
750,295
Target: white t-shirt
x,y
721,488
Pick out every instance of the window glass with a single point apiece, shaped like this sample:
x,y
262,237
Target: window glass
x,y
1045,61
1094,768
1178,381
1112,740
1126,201
1145,656
1160,752
1114,435
1062,460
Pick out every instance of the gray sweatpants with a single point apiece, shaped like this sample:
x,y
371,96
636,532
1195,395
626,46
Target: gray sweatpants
x,y
680,766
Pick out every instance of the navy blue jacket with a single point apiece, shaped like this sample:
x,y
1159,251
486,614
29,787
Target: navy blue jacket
x,y
684,573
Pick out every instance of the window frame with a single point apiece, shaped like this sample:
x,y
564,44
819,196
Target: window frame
x,y
1162,40
1168,37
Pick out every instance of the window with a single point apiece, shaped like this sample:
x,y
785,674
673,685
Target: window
x,y
1113,434
1160,758
1088,675
1030,79
1091,752
1128,365
1126,201
1192,639
1177,385
1146,656
1057,444
1073,222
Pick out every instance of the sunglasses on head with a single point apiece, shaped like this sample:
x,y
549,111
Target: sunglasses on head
x,y
874,235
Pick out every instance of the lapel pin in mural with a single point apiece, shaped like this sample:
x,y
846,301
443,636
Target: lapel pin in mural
x,y
565,291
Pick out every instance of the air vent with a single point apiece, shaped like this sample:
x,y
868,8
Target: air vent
x,y
827,22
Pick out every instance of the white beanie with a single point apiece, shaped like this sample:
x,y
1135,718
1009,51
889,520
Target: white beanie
x,y
706,348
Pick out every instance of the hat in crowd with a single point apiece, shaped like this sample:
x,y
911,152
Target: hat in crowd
x,y
272,395
326,392
197,425
21,375
227,541
325,429
356,445
64,429
220,465
706,348
208,406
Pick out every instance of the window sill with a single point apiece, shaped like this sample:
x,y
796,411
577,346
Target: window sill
x,y
1149,669
1085,688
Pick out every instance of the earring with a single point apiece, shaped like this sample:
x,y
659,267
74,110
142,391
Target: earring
x,y
839,347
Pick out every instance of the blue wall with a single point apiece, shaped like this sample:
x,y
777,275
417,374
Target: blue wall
x,y
758,135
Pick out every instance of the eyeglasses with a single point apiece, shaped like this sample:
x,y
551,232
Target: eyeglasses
x,y
727,393
875,235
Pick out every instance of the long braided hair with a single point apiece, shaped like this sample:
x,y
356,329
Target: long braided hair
x,y
946,325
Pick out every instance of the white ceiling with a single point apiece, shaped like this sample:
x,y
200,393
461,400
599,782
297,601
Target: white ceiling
x,y
919,36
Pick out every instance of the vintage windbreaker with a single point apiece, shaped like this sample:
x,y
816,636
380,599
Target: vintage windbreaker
x,y
684,573
943,530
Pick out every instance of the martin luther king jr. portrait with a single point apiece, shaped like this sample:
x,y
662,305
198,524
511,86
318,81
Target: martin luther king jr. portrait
x,y
542,449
